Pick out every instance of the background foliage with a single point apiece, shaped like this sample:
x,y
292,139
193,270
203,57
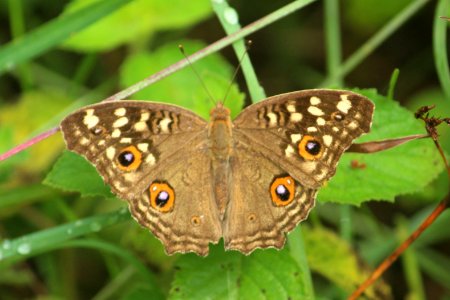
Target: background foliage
x,y
64,235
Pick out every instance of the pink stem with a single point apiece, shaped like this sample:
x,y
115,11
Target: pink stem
x,y
28,143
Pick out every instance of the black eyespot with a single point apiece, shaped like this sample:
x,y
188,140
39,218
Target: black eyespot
x,y
162,198
98,130
126,158
282,192
337,116
313,147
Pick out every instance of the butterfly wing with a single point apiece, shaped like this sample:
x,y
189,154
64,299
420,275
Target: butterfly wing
x,y
306,132
154,156
265,202
286,147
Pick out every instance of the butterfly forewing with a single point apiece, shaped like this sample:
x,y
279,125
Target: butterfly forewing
x,y
137,145
306,132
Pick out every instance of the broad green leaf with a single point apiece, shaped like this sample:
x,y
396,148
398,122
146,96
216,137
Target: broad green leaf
x,y
334,259
265,274
183,88
135,21
31,112
386,174
75,174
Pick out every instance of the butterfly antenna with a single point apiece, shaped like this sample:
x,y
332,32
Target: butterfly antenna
x,y
196,74
247,48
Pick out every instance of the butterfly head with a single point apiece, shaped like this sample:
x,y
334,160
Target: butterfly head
x,y
219,112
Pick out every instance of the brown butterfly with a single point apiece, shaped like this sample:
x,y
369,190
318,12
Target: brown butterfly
x,y
192,182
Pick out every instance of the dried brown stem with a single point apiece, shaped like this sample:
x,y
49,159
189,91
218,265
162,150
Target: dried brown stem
x,y
371,147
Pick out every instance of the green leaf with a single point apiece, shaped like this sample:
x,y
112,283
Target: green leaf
x,y
137,20
404,169
183,88
334,259
53,33
266,274
75,174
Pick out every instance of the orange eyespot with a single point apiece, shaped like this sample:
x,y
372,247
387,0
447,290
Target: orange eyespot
x,y
310,148
282,190
162,196
129,159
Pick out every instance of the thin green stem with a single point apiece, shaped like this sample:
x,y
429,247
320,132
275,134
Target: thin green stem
x,y
376,40
17,24
333,41
393,83
229,19
345,223
34,243
440,46
298,252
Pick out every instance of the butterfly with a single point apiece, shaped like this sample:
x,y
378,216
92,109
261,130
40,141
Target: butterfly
x,y
192,182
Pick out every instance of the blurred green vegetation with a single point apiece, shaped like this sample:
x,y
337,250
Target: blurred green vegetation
x,y
63,235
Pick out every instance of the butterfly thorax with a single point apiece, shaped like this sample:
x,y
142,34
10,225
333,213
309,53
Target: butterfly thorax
x,y
221,147
220,133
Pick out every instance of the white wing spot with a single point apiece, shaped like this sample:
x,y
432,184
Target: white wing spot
x,y
143,147
140,126
273,118
315,111
150,159
314,100
120,112
311,129
327,140
291,108
110,152
125,140
90,120
120,122
296,137
296,117
145,116
289,151
352,125
84,141
116,133
344,105
320,121
164,124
